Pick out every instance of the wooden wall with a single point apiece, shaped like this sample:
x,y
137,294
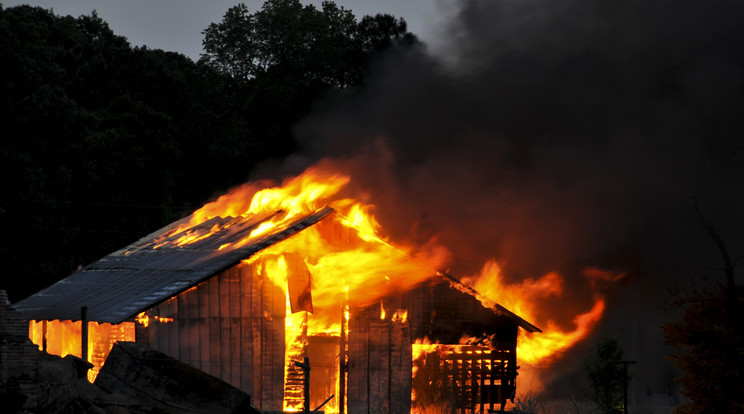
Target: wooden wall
x,y
379,364
230,326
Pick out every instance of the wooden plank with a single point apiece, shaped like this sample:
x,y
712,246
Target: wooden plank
x,y
194,336
272,350
141,333
256,321
235,362
194,324
298,284
277,363
358,365
160,336
246,338
214,327
225,350
184,340
400,365
152,332
171,329
203,297
266,344
379,371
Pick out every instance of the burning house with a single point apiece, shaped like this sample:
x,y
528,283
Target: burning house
x,y
253,284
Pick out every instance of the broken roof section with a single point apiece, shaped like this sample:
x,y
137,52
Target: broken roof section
x,y
158,267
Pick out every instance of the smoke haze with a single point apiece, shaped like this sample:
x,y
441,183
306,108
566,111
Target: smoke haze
x,y
557,136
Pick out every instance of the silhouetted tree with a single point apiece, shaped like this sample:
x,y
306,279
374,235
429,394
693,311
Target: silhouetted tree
x,y
708,339
103,143
606,375
286,56
327,46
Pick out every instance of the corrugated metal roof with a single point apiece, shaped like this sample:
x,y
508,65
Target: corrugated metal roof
x,y
153,269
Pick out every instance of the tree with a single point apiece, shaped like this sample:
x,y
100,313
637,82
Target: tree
x,y
607,375
709,352
286,56
326,46
708,339
103,143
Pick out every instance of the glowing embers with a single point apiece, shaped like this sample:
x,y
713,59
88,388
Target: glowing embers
x,y
64,338
461,378
144,320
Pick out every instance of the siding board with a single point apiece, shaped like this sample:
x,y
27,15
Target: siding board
x,y
246,339
234,300
214,327
225,354
204,356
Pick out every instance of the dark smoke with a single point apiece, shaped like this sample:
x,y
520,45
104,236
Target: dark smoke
x,y
556,135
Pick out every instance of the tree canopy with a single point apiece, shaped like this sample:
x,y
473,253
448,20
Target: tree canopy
x,y
326,46
104,142
606,375
708,340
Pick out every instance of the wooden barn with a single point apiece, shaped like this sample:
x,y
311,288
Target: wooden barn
x,y
240,299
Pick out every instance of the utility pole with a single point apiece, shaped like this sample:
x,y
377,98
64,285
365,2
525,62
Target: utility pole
x,y
625,383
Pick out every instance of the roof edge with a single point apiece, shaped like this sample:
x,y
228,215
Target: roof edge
x,y
527,326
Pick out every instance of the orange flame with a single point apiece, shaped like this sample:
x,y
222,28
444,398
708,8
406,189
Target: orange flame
x,y
524,298
358,272
297,196
371,267
64,338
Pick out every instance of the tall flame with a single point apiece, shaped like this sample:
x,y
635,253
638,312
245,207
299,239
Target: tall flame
x,y
359,272
372,267
524,299
297,196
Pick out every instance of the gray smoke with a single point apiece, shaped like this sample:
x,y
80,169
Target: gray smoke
x,y
560,135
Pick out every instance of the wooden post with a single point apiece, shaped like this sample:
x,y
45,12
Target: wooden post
x,y
342,363
44,336
84,333
305,365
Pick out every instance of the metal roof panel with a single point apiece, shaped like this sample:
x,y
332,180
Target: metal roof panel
x,y
119,286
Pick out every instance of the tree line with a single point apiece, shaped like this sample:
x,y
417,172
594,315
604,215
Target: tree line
x,y
103,142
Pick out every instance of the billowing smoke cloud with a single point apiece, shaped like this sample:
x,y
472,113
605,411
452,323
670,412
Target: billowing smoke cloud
x,y
558,135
